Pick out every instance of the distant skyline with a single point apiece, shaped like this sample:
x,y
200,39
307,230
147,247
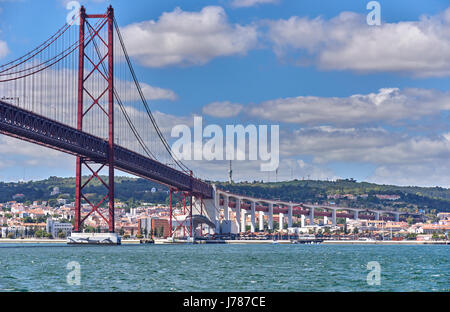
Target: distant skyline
x,y
352,100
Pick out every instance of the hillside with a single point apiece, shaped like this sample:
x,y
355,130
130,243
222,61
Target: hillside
x,y
134,191
129,190
429,199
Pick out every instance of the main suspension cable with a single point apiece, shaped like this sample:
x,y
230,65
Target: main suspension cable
x,y
144,101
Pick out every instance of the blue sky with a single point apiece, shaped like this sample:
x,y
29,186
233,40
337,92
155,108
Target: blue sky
x,y
323,66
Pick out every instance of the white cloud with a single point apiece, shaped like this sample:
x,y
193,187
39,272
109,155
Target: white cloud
x,y
346,42
250,3
3,49
167,121
398,158
188,38
151,92
389,105
250,170
370,145
223,109
11,149
431,175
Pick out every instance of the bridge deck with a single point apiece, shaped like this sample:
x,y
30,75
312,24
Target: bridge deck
x,y
28,126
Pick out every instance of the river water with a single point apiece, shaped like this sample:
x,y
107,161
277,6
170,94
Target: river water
x,y
223,268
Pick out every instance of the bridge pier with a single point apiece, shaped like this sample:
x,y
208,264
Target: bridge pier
x,y
355,214
333,217
303,221
261,221
290,207
397,217
243,220
270,216
377,215
325,220
238,215
281,220
212,210
226,208
252,217
311,216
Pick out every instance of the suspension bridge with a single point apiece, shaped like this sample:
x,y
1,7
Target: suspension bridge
x,y
78,93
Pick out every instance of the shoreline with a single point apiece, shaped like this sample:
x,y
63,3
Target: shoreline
x,y
325,242
49,241
232,242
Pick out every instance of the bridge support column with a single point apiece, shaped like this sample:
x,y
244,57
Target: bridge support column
x,y
226,209
212,212
83,88
333,216
261,221
303,220
281,221
270,225
355,215
253,223
311,216
290,207
238,215
377,215
325,220
397,217
243,220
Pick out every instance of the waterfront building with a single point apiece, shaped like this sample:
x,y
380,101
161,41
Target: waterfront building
x,y
145,226
54,227
435,228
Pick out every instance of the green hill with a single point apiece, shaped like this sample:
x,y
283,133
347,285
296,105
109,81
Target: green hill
x,y
135,191
130,190
412,198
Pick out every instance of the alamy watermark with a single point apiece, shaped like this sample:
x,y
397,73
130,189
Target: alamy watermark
x,y
72,16
74,275
374,276
233,147
374,16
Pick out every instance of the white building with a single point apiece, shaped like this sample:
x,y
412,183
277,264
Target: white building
x,y
55,191
54,228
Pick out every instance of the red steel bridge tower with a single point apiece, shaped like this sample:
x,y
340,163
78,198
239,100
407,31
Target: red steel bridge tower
x,y
77,103
83,108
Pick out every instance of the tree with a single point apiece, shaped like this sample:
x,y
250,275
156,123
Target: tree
x,y
10,235
61,234
355,230
160,232
39,233
410,220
